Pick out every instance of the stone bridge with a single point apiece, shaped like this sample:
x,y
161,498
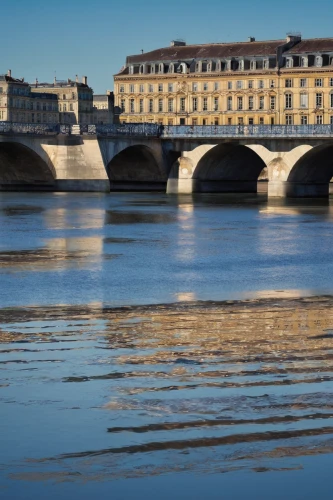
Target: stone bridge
x,y
296,160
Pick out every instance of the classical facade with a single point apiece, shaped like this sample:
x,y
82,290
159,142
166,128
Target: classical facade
x,y
18,104
75,99
103,105
276,82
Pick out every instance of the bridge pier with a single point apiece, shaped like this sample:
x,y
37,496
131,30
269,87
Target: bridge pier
x,y
287,189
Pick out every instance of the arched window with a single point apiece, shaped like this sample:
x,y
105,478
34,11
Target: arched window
x,y
182,68
218,66
265,64
209,66
171,68
131,70
152,68
319,61
253,65
141,69
229,65
241,65
198,67
289,62
161,68
304,62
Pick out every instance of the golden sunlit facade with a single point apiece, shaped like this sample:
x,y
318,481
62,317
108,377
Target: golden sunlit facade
x,y
253,83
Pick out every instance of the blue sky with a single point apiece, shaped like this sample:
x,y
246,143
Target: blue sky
x,y
93,37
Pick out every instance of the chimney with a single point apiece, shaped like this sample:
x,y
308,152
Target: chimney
x,y
85,80
36,82
294,37
9,73
76,79
178,43
251,39
55,81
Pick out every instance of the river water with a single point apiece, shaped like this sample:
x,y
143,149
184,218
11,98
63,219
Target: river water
x,y
154,346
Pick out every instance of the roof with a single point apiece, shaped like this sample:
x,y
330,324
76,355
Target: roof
x,y
6,78
208,51
312,45
101,97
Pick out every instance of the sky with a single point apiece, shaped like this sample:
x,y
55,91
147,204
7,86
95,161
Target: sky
x,y
43,38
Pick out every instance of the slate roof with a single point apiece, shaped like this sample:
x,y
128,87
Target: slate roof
x,y
208,51
312,46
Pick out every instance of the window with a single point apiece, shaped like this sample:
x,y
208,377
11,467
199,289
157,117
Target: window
x,y
64,107
241,65
240,121
272,101
205,86
318,82
331,100
331,120
195,104
71,107
331,82
142,88
266,64
170,105
160,105
288,83
151,105
194,121
151,88
251,102
182,104
194,87
205,104
229,121
304,120
122,105
319,100
289,119
261,121
216,103
289,62
304,62
303,82
304,100
250,84
251,121
131,105
261,102
288,101
230,85
272,120
260,84
319,61
272,84
229,103
182,121
319,119
253,65
160,87
239,84
170,87
131,88
141,105
216,85
170,122
204,121
131,70
239,103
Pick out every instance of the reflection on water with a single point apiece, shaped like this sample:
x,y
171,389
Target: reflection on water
x,y
152,391
193,395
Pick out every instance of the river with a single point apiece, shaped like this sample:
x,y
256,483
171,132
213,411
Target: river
x,y
154,346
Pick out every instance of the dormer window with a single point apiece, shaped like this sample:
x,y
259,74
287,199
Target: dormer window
x,y
253,65
304,62
161,68
265,64
131,70
198,67
182,68
241,65
209,66
228,63
218,66
289,62
141,69
319,61
171,68
152,68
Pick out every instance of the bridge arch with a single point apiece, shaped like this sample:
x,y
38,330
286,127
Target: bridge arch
x,y
136,168
21,168
228,167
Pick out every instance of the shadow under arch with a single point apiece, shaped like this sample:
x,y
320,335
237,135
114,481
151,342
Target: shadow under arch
x,y
135,169
312,173
229,168
22,169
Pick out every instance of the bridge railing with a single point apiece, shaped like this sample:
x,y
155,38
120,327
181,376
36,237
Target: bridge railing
x,y
29,128
129,129
188,131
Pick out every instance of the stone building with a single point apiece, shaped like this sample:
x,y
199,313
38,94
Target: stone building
x,y
75,99
18,104
103,105
275,82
